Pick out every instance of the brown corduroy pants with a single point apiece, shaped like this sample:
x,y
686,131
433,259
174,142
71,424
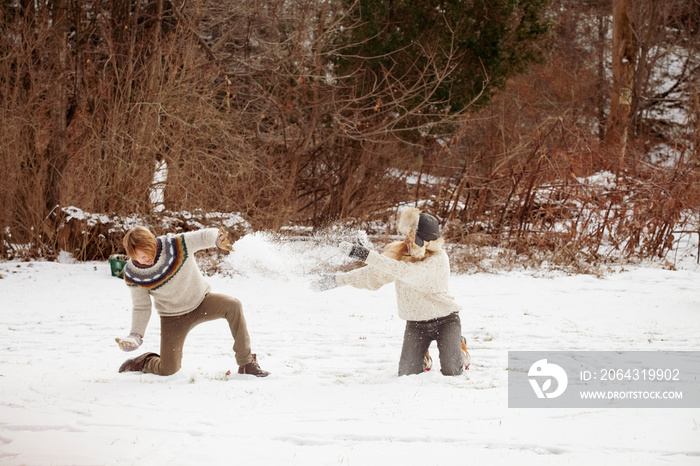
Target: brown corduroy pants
x,y
174,330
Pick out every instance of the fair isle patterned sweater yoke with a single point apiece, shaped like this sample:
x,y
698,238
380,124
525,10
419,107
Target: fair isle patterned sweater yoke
x,y
171,255
173,282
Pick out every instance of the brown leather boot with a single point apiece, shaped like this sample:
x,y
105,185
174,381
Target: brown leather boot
x,y
467,357
136,364
253,368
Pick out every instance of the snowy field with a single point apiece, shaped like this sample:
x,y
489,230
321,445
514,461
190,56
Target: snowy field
x,y
333,396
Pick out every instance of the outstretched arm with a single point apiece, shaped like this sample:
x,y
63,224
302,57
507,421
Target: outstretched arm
x,y
420,276
140,316
201,239
367,278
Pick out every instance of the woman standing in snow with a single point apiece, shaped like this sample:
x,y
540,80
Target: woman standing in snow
x,y
165,270
420,269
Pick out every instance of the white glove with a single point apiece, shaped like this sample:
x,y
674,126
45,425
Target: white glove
x,y
345,248
130,343
324,283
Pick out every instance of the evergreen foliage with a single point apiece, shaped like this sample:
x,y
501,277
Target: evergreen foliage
x,y
479,43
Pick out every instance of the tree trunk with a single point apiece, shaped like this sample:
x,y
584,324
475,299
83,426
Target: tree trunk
x,y
623,65
603,25
56,155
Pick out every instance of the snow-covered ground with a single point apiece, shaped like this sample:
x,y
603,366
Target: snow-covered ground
x,y
333,396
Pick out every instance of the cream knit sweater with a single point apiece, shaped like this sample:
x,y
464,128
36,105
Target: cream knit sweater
x,y
173,281
421,287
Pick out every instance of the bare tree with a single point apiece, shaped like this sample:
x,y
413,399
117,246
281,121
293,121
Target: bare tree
x,y
624,61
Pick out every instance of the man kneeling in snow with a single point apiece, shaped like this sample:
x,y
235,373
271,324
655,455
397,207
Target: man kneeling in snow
x,y
164,269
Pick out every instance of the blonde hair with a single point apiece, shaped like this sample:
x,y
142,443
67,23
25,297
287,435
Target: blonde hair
x,y
400,252
140,238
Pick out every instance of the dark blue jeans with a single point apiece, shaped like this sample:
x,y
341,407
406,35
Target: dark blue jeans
x,y
447,331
